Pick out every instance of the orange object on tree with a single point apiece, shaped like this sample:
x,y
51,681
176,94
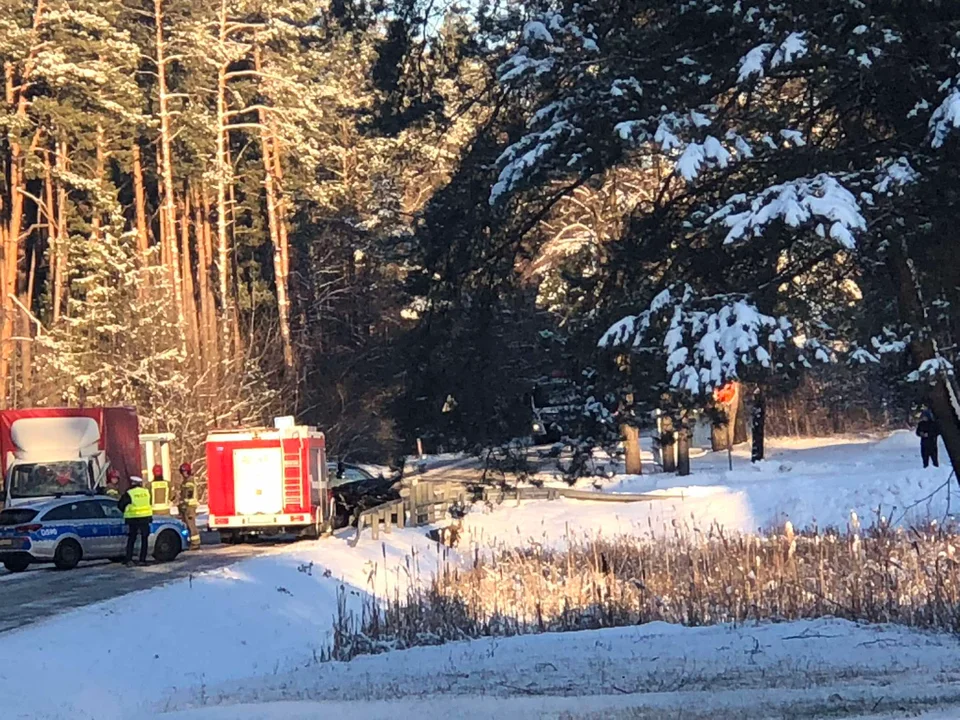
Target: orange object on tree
x,y
725,394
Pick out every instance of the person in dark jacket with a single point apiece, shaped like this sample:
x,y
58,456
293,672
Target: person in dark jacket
x,y
138,512
928,430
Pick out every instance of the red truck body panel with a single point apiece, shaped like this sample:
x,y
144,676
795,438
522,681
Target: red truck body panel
x,y
119,434
222,478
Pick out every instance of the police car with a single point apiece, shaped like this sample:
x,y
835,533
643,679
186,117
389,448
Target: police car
x,y
66,530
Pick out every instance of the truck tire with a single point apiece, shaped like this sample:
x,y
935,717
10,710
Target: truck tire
x,y
67,555
16,565
167,546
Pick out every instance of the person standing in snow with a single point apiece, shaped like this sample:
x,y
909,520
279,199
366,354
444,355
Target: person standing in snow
x,y
928,430
138,514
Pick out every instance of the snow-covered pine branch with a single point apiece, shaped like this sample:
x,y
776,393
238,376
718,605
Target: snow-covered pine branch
x,y
702,342
821,202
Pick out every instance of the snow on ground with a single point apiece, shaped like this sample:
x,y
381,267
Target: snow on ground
x,y
809,482
554,522
657,668
259,617
252,632
819,482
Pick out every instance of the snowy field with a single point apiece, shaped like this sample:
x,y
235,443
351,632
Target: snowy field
x,y
810,482
820,481
252,633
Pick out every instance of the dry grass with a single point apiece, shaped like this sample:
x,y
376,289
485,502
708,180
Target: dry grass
x,y
909,577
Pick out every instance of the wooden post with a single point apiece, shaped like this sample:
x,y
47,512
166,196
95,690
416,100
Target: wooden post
x,y
631,443
758,416
668,455
683,451
730,444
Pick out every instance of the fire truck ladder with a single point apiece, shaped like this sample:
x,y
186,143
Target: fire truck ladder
x,y
291,448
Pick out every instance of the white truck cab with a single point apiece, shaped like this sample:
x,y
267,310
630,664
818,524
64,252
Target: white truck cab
x,y
53,456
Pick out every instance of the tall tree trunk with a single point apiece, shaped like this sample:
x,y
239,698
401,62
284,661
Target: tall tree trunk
x,y
59,270
53,230
16,100
275,220
167,209
97,219
140,201
208,321
189,298
162,222
224,178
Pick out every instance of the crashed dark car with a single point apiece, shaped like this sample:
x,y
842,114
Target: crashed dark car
x,y
356,489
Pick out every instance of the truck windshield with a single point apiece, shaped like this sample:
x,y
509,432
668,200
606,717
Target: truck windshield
x,y
52,478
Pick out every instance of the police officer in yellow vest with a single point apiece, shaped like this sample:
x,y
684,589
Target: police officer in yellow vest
x,y
188,503
138,513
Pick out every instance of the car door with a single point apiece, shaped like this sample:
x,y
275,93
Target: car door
x,y
92,528
84,519
116,527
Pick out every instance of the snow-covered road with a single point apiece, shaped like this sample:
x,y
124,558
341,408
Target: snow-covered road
x,y
43,592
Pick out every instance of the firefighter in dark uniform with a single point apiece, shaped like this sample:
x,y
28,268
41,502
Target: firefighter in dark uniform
x,y
138,513
189,503
159,492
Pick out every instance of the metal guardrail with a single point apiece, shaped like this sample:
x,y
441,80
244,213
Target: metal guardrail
x,y
425,502
499,495
594,496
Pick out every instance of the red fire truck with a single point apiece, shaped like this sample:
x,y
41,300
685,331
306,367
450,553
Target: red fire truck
x,y
268,480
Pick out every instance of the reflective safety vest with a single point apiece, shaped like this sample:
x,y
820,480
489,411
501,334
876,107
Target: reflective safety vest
x,y
139,506
160,490
188,493
112,492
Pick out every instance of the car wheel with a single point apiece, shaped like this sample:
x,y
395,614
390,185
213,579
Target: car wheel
x,y
68,554
167,546
16,564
